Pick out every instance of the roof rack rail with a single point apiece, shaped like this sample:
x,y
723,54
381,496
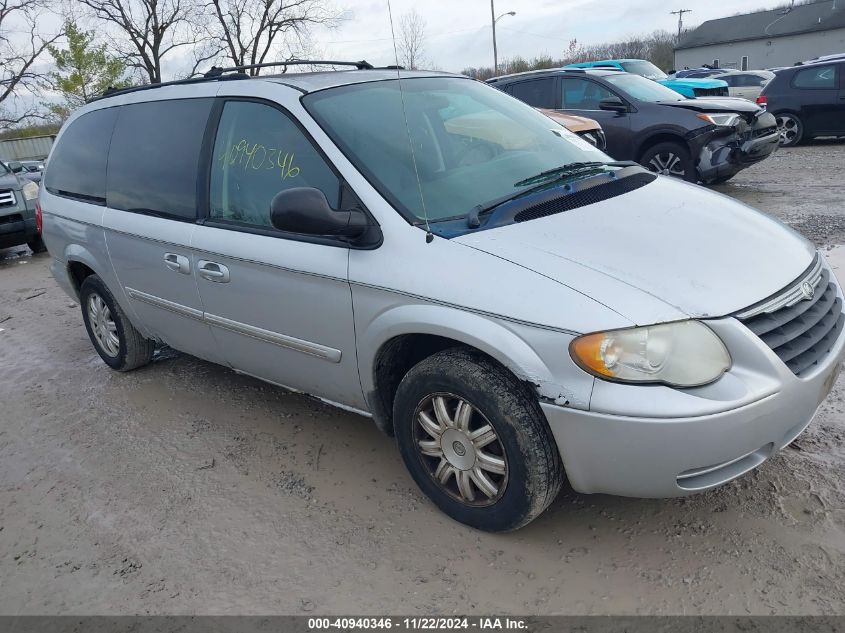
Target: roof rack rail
x,y
222,74
111,92
214,71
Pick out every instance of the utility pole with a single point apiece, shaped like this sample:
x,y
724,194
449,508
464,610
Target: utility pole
x,y
680,14
495,19
495,52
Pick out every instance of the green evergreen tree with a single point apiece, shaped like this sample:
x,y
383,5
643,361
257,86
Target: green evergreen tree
x,y
83,71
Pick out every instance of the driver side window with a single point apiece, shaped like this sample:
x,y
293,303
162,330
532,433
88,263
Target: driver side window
x,y
258,152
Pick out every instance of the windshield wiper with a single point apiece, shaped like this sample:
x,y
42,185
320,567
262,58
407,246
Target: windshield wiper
x,y
540,180
570,169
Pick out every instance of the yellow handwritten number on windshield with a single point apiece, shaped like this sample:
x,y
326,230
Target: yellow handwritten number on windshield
x,y
256,157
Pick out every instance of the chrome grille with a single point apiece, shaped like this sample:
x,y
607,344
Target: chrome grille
x,y
7,197
802,323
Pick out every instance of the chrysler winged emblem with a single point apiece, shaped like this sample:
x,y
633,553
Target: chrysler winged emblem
x,y
808,290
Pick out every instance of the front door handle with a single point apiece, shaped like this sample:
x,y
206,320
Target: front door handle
x,y
178,263
213,271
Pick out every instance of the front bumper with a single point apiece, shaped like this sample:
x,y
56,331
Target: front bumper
x,y
16,228
596,138
677,442
724,155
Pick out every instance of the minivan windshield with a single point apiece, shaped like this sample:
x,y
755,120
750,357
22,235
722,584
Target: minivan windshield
x,y
643,89
644,69
471,143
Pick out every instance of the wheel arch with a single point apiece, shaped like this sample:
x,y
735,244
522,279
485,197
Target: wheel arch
x,y
402,337
655,138
80,263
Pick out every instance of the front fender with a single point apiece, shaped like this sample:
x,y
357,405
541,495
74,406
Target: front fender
x,y
495,337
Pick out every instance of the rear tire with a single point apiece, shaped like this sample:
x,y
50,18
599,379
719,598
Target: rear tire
x,y
496,467
36,244
116,340
670,159
790,128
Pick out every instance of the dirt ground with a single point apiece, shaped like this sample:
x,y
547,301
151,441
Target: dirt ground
x,y
184,488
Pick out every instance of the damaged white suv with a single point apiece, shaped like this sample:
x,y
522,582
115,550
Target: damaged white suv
x,y
423,249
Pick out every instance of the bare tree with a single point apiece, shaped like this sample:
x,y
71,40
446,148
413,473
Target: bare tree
x,y
21,44
411,42
148,30
250,30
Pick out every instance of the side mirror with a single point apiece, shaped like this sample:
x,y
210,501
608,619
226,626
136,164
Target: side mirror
x,y
14,166
613,104
305,210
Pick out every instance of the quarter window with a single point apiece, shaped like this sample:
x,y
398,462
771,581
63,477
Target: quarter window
x,y
258,152
817,77
77,165
154,157
538,93
582,94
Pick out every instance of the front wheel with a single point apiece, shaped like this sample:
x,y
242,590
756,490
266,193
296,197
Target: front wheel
x,y
790,128
475,441
116,340
670,159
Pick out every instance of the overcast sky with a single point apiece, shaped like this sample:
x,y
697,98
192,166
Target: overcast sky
x,y
459,34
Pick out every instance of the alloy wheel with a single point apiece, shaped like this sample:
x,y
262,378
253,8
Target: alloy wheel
x,y
667,164
788,128
102,325
460,449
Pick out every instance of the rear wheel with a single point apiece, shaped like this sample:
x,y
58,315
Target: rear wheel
x,y
790,128
670,159
116,340
36,244
475,441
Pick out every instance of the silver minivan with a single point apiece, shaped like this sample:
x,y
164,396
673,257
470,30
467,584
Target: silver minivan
x,y
423,249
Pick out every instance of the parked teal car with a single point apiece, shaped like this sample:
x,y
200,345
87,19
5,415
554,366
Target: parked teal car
x,y
687,87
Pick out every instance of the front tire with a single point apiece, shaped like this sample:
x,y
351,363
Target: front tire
x,y
670,159
790,128
476,441
116,340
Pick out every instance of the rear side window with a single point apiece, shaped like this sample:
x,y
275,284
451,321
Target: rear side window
x,y
538,93
77,165
816,77
154,157
258,152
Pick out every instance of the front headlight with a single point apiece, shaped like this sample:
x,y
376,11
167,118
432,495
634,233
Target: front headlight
x,y
724,120
29,191
680,354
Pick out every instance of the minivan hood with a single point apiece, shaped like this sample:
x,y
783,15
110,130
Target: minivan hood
x,y
716,104
693,251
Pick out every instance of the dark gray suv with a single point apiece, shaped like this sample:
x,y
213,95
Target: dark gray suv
x,y
17,211
706,139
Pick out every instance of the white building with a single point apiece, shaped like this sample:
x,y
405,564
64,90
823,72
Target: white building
x,y
767,39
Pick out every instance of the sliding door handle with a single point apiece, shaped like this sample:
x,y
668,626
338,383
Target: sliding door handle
x,y
177,263
213,271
